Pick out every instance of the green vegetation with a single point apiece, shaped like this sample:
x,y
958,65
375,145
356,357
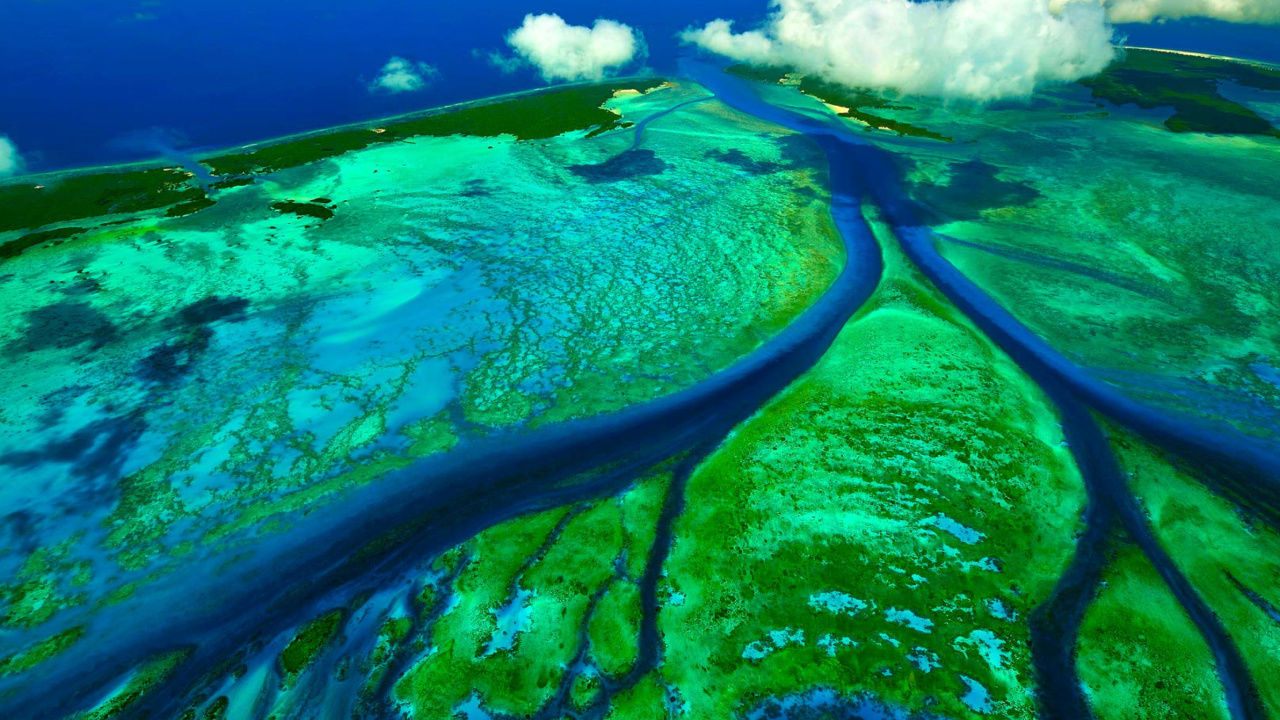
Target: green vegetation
x,y
396,630
1188,84
878,122
234,182
835,94
391,637
217,710
47,582
855,100
391,643
302,209
495,559
308,643
613,628
531,117
585,689
1140,656
1147,267
1227,556
610,126
14,248
522,604
864,524
41,651
769,74
641,702
94,195
640,509
190,207
144,678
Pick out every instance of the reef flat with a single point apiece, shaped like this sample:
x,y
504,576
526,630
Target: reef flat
x,y
718,406
918,561
922,483
1142,254
240,367
1229,555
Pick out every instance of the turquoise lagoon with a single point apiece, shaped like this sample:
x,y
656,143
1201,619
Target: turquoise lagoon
x,y
261,454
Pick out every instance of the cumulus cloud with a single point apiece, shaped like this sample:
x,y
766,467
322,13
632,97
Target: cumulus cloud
x,y
1238,11
561,51
506,65
400,75
974,49
10,160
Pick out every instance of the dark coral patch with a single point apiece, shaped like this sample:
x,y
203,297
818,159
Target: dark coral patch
x,y
174,359
476,188
302,209
628,165
973,187
65,325
212,309
743,161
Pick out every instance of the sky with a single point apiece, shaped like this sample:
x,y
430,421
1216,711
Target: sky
x,y
92,81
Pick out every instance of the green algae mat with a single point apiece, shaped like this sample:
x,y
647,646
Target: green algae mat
x,y
743,395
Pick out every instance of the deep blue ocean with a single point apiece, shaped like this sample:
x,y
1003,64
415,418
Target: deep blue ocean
x,y
82,80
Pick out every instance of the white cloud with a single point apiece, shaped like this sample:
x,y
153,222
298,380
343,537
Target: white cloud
x,y
506,64
10,160
562,51
400,75
974,49
1240,11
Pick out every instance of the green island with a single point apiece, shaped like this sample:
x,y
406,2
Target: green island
x,y
23,205
41,651
312,209
313,637
141,681
1189,84
529,117
851,100
100,193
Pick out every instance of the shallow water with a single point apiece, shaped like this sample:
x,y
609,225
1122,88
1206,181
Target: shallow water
x,y
395,321
446,355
